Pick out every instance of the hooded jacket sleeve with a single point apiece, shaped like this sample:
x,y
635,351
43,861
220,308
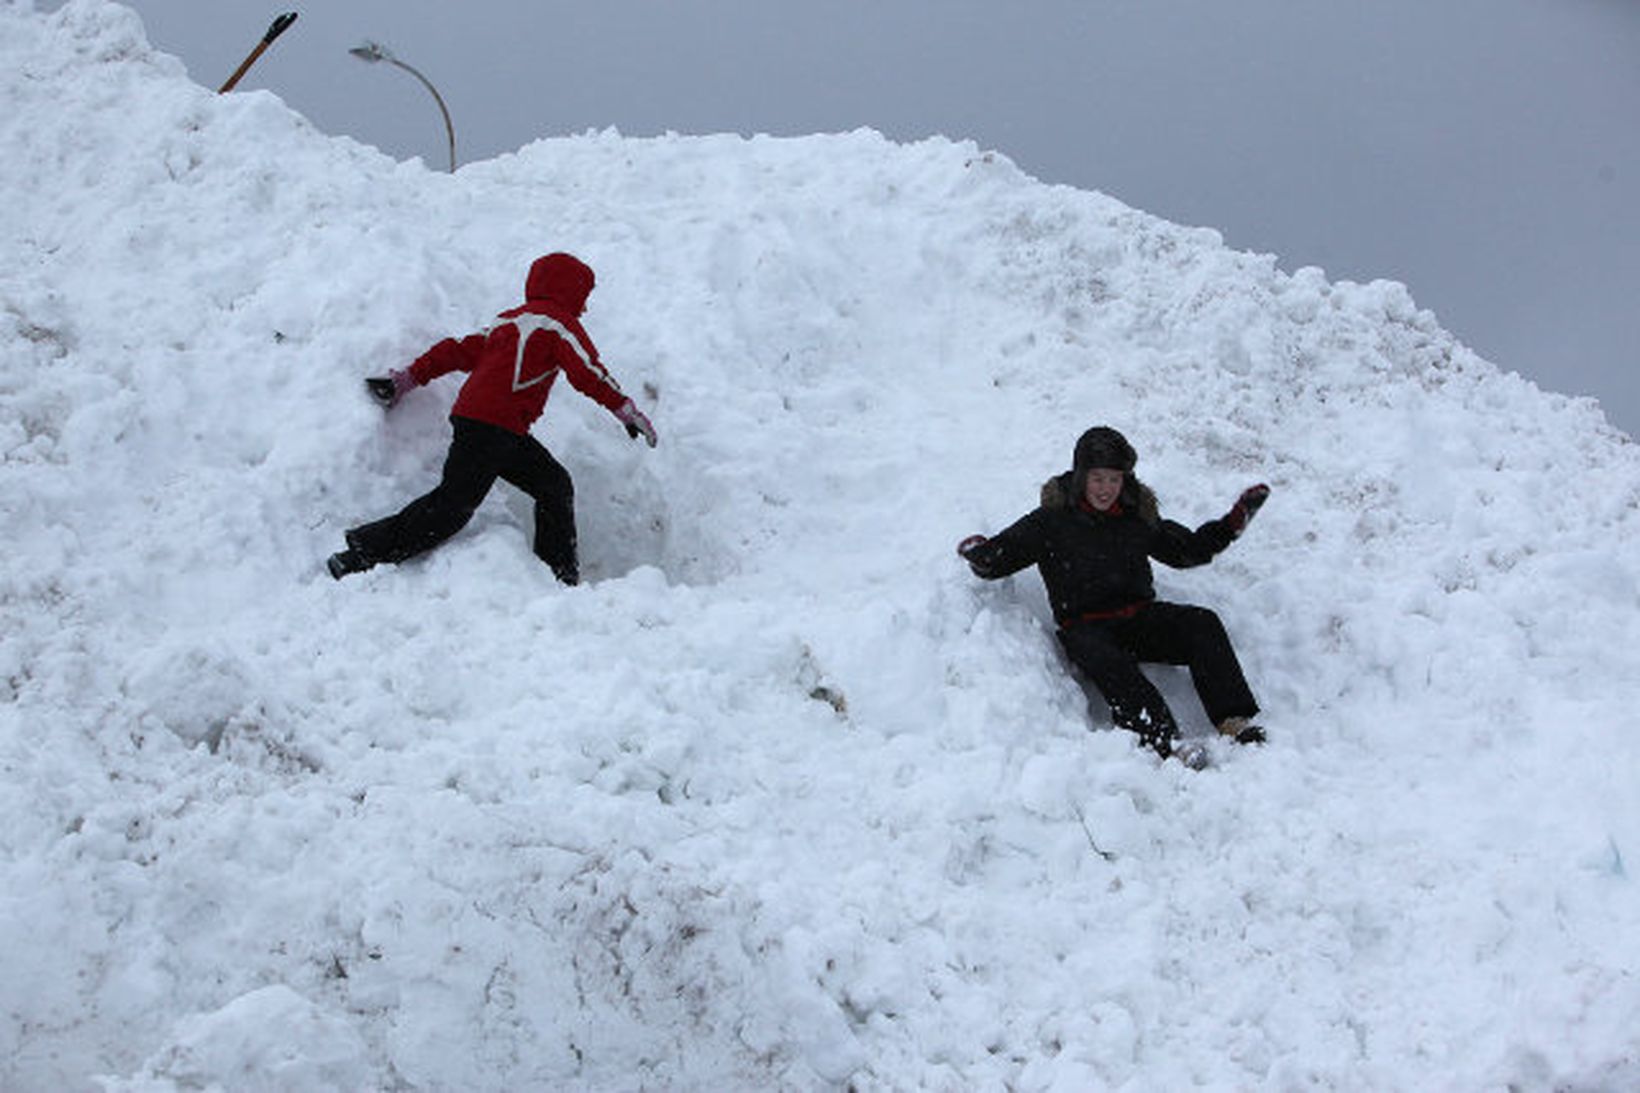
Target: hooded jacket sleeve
x,y
587,374
1010,550
1175,545
449,355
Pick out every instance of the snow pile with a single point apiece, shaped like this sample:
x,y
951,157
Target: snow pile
x,y
782,797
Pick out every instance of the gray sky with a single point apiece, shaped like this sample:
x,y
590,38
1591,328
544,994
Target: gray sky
x,y
1484,152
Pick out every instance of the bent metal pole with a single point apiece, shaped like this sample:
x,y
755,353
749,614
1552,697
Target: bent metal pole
x,y
371,52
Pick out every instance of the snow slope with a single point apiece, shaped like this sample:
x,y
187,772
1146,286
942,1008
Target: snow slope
x,y
783,797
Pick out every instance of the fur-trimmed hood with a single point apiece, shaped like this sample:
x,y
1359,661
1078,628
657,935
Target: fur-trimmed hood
x,y
1058,493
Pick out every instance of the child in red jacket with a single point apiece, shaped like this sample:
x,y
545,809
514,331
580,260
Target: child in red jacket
x,y
510,370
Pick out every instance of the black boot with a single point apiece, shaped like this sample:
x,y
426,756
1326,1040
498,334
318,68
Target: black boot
x,y
348,561
1241,730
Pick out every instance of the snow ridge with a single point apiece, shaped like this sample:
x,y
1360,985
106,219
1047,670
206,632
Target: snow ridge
x,y
781,798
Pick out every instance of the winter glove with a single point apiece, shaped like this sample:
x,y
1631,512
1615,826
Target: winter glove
x,y
966,549
1245,507
636,424
388,389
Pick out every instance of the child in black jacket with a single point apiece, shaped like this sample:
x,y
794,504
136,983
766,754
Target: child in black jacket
x,y
1092,540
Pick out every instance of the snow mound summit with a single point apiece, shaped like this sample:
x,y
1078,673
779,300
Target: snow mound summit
x,y
782,797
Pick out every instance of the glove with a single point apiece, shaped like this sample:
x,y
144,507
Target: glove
x,y
388,389
636,424
1246,506
967,549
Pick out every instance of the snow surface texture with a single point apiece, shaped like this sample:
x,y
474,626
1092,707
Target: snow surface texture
x,y
783,797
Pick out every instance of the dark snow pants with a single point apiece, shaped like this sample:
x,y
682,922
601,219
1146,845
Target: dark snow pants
x,y
1109,651
479,454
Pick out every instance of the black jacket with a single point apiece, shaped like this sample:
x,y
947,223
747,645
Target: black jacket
x,y
1095,563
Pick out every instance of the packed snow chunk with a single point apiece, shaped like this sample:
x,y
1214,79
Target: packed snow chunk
x,y
271,1040
192,690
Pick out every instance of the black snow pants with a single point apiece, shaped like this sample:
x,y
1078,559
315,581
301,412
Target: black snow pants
x,y
1109,651
479,454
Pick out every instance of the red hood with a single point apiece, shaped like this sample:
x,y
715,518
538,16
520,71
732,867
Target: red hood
x,y
560,279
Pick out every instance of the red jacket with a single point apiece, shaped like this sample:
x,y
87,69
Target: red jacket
x,y
511,366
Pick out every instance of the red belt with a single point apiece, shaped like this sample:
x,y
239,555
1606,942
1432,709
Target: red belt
x,y
1127,612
